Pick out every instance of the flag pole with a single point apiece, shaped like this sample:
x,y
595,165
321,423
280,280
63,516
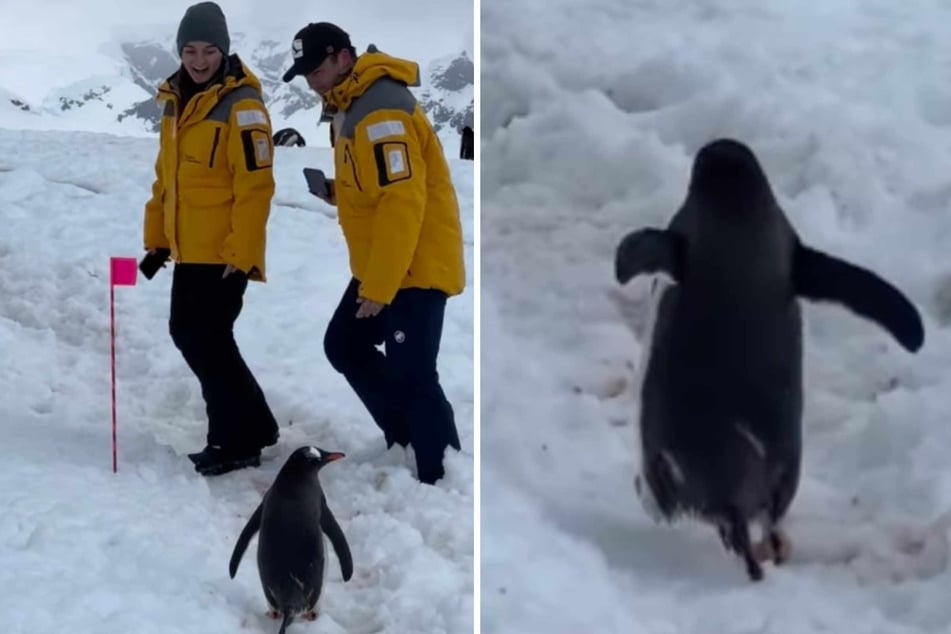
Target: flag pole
x,y
122,272
112,314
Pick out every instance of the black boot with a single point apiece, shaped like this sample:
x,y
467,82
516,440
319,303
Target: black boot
x,y
214,460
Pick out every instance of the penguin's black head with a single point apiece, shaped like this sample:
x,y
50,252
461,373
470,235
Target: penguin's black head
x,y
726,172
314,456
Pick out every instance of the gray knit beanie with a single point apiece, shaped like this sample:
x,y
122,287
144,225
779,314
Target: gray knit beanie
x,y
204,22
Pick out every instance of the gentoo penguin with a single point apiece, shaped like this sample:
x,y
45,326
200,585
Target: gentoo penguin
x,y
292,517
289,137
721,398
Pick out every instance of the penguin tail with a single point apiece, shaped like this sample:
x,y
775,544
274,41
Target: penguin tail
x,y
288,618
746,497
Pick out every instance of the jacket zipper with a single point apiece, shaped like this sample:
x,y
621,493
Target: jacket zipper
x,y
214,147
348,158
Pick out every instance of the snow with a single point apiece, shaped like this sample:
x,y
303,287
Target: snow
x,y
34,75
147,549
591,114
93,104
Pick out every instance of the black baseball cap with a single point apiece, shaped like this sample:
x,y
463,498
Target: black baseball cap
x,y
312,44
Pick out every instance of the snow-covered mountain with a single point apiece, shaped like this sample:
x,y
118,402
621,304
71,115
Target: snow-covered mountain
x,y
446,91
122,98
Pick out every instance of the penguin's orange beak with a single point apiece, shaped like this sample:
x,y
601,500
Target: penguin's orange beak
x,y
330,457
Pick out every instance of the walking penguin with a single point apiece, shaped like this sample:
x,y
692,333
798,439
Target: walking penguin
x,y
292,519
720,420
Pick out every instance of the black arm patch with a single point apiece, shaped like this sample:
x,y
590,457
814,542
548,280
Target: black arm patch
x,y
392,162
257,149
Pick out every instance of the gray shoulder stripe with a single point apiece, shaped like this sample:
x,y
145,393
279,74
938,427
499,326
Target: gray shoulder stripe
x,y
384,94
169,109
222,112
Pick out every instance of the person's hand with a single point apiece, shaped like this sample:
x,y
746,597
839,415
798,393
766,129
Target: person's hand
x,y
331,197
155,259
368,308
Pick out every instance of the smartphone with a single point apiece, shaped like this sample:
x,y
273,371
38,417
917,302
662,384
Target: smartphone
x,y
150,264
317,182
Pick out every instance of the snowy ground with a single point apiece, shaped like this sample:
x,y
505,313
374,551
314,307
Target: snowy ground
x,y
591,115
147,549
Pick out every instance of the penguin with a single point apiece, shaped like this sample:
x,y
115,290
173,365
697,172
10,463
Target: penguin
x,y
292,518
289,137
720,402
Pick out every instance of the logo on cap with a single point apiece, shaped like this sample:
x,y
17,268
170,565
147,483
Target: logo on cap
x,y
298,48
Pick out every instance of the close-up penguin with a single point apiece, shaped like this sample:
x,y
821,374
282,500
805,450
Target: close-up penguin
x,y
721,397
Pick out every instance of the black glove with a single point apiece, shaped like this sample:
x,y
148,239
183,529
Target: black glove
x,y
152,262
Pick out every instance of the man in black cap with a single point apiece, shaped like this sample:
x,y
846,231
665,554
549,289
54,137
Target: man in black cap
x,y
400,217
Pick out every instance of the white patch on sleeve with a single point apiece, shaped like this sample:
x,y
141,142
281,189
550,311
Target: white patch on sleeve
x,y
250,117
397,164
263,151
384,129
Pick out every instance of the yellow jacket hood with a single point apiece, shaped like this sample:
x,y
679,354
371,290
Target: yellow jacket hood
x,y
370,67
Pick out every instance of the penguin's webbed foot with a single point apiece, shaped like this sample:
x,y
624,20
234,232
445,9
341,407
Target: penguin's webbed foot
x,y
310,615
273,614
775,546
781,546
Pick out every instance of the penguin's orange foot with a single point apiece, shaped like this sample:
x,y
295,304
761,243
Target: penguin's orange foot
x,y
273,614
309,616
775,547
782,546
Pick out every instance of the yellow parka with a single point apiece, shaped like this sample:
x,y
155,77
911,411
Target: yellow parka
x,y
396,202
214,182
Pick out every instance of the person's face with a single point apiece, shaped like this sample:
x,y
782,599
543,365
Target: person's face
x,y
201,60
323,78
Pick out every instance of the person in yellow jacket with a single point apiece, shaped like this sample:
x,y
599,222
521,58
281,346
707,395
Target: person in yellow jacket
x,y
209,207
399,214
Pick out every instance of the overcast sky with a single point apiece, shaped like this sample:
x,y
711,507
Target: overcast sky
x,y
417,29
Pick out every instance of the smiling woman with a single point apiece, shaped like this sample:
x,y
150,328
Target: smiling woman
x,y
201,60
208,211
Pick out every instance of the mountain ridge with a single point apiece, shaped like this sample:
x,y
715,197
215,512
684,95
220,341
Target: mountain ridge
x,y
121,98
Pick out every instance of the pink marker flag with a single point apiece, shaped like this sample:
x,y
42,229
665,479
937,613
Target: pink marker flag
x,y
122,272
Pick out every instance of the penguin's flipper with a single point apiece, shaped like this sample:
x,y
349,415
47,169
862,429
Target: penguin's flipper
x,y
649,251
328,524
254,523
819,276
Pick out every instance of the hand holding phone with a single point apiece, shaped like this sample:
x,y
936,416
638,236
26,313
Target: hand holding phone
x,y
319,185
153,261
